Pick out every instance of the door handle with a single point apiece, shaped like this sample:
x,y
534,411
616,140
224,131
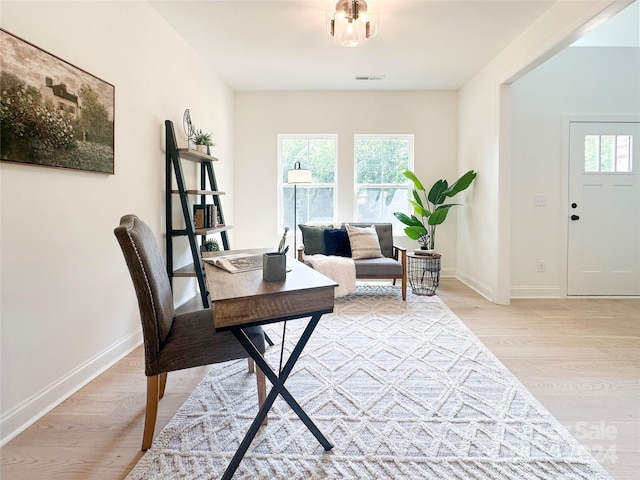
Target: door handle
x,y
575,217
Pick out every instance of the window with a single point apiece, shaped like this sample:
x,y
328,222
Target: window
x,y
607,153
380,188
315,201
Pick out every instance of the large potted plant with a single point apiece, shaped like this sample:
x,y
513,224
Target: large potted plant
x,y
429,208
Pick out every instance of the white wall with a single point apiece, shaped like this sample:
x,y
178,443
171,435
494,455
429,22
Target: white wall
x,y
68,308
260,117
599,81
484,230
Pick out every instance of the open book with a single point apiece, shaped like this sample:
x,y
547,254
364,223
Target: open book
x,y
237,262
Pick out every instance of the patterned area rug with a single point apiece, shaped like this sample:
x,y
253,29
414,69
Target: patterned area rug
x,y
402,389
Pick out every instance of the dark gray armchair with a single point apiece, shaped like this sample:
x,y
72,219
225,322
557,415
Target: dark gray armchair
x,y
172,342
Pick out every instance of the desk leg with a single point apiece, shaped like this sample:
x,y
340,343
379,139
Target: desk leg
x,y
278,388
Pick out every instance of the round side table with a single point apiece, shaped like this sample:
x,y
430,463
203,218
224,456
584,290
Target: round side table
x,y
424,273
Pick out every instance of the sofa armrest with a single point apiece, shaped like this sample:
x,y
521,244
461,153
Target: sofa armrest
x,y
400,252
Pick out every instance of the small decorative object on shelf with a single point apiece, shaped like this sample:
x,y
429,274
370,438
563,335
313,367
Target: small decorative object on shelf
x,y
202,141
210,246
188,126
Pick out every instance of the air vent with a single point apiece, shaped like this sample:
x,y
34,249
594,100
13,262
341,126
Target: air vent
x,y
369,77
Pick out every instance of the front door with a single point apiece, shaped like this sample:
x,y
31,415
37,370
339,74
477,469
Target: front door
x,y
604,209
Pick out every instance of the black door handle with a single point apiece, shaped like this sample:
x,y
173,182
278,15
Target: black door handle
x,y
575,217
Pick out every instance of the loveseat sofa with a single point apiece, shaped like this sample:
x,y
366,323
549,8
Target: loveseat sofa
x,y
389,263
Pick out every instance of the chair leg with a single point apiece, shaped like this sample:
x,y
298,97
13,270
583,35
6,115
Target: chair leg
x,y
163,384
252,364
151,413
262,389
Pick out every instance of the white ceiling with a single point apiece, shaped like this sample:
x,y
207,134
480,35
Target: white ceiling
x,y
283,45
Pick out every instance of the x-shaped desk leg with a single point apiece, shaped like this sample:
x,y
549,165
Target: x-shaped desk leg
x,y
278,388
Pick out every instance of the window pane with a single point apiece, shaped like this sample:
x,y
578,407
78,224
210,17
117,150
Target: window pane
x,y
369,153
378,204
293,150
591,153
396,158
623,153
379,160
314,204
380,188
607,152
322,152
315,201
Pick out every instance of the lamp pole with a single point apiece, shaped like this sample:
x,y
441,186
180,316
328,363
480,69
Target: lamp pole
x,y
295,176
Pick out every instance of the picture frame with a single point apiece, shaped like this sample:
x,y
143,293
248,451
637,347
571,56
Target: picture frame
x,y
53,113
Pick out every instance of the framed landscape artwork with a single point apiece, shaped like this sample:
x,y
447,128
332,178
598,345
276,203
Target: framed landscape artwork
x,y
51,112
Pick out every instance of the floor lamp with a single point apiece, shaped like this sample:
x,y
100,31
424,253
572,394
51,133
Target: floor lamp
x,y
295,176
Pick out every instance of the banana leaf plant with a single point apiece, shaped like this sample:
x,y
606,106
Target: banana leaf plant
x,y
430,209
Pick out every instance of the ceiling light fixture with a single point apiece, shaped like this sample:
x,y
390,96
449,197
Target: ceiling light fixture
x,y
350,22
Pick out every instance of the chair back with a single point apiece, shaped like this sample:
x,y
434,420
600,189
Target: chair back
x,y
147,269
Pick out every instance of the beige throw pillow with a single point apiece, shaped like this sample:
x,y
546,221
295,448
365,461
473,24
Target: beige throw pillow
x,y
364,242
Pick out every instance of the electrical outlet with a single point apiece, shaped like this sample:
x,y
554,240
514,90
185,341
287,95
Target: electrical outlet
x,y
542,266
540,200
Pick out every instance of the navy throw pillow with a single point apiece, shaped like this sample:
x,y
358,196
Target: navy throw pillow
x,y
336,242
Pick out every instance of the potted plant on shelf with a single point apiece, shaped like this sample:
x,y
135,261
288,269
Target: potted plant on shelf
x,y
210,246
202,141
430,209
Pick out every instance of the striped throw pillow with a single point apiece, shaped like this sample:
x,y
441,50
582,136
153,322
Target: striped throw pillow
x,y
364,242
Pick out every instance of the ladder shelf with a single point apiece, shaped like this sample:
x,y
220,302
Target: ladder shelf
x,y
208,190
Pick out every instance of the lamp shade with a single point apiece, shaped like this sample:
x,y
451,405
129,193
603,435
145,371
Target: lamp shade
x,y
350,22
298,175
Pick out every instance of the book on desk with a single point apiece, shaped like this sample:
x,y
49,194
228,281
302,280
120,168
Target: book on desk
x,y
237,262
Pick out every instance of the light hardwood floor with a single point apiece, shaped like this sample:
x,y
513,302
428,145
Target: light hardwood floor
x,y
579,357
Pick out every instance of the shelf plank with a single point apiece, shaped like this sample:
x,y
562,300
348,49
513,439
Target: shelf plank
x,y
209,231
194,156
186,271
200,192
201,231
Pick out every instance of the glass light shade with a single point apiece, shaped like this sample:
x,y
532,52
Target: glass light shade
x,y
350,22
299,175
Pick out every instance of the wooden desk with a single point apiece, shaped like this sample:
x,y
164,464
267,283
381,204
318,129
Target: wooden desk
x,y
242,299
245,299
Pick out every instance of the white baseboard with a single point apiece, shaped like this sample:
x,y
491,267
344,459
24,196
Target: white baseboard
x,y
475,285
524,291
28,412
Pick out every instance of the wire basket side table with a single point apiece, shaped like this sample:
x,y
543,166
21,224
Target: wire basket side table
x,y
424,273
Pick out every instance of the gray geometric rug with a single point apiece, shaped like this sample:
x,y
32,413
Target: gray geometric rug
x,y
402,389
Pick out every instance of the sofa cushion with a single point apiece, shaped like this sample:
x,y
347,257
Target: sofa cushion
x,y
382,267
364,242
385,236
336,242
312,239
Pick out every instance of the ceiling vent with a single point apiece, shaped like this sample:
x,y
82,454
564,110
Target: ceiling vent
x,y
369,77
